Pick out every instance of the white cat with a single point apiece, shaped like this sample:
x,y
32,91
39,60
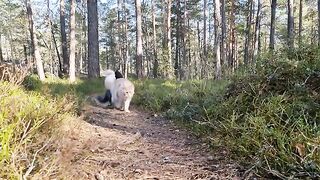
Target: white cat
x,y
110,78
122,93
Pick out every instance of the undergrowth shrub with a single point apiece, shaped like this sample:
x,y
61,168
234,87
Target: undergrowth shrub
x,y
14,73
184,101
272,118
28,121
62,89
269,119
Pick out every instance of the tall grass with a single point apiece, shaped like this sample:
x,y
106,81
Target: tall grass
x,y
30,118
184,101
62,89
269,120
27,122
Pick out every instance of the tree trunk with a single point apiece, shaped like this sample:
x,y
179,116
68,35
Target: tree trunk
x,y
155,60
199,71
34,43
272,28
205,53
218,38
300,22
84,64
119,44
318,22
257,33
189,47
64,37
1,56
93,44
223,33
167,39
290,25
25,54
248,34
72,70
50,40
233,38
139,68
177,65
60,70
126,57
184,44
12,49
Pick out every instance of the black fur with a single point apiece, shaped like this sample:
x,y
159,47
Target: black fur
x,y
107,96
118,74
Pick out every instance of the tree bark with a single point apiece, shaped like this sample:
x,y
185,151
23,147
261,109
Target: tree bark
x,y
126,57
272,28
199,71
300,22
257,33
177,62
1,55
50,40
72,70
223,32
205,53
248,34
189,47
60,70
218,38
84,52
65,57
184,44
119,43
318,22
34,43
290,25
93,44
167,39
155,58
139,68
232,56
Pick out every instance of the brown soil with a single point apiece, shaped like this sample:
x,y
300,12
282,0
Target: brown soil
x,y
111,144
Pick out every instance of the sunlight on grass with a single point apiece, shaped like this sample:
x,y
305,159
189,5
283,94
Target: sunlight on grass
x,y
27,122
269,119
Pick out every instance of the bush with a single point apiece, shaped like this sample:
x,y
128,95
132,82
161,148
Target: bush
x,y
184,101
270,119
28,121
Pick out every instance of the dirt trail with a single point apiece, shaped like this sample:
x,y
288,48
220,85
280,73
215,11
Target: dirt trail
x,y
111,144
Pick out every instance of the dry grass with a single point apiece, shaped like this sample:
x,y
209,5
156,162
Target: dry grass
x,y
14,73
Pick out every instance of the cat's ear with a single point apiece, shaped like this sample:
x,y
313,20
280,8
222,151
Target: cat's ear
x,y
118,74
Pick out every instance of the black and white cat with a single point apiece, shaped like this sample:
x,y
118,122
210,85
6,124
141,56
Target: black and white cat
x,y
119,91
109,80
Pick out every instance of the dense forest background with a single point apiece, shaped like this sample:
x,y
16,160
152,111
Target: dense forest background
x,y
189,39
242,75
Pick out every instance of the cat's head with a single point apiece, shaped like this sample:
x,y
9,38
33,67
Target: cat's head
x,y
125,93
108,72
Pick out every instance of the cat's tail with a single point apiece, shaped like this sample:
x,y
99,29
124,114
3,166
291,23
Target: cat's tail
x,y
106,98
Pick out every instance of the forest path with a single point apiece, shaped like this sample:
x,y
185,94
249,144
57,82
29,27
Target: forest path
x,y
112,144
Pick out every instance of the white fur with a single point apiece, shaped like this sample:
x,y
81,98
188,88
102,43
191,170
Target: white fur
x,y
122,93
110,78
